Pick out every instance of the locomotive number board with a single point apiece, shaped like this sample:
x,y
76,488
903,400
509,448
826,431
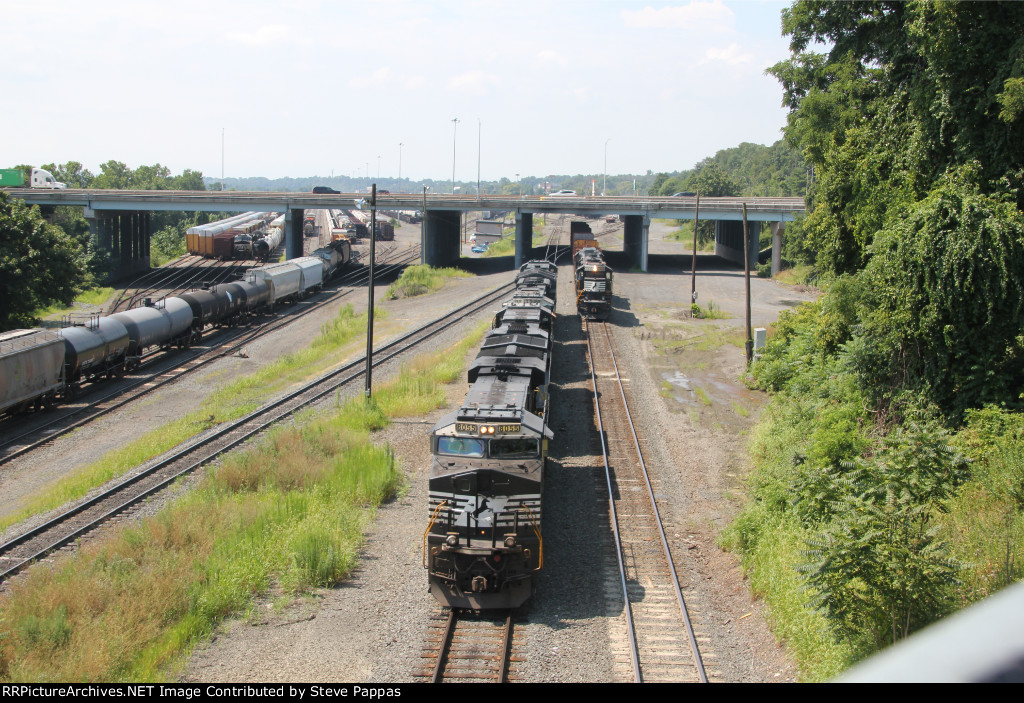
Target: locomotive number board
x,y
487,429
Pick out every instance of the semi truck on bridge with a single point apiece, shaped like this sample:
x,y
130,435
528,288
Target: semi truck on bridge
x,y
38,178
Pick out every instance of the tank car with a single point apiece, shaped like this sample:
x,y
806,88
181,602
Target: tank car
x,y
209,308
94,349
164,324
483,546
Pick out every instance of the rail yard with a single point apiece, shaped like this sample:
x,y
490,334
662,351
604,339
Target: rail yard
x,y
575,627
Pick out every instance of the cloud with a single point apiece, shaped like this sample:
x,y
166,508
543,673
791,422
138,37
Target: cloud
x,y
705,16
476,82
268,35
730,55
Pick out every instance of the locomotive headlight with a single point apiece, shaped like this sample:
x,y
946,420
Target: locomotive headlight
x,y
486,429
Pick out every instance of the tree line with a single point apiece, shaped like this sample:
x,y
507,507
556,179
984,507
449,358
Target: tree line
x,y
49,260
899,390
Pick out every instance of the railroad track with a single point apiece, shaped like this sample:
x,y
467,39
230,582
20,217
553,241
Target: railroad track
x,y
661,639
64,529
470,646
16,445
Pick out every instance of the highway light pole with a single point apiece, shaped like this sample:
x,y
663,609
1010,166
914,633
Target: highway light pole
x,y
604,188
479,127
400,145
455,129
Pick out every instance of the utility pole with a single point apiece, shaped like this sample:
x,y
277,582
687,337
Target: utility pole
x,y
479,128
749,345
693,264
369,308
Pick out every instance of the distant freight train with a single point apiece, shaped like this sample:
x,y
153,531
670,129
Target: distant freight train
x,y
40,367
593,277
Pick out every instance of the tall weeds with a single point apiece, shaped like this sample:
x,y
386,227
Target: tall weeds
x,y
288,514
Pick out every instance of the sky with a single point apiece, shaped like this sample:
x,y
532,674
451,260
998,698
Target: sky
x,y
370,88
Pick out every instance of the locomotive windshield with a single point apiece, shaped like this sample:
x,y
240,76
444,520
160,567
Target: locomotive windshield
x,y
514,448
460,446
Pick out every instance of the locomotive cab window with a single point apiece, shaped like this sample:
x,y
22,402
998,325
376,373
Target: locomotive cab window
x,y
514,448
460,446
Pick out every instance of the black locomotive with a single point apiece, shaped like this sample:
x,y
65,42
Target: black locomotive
x,y
483,546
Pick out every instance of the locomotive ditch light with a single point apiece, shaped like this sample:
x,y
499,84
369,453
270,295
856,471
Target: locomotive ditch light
x,y
452,540
510,541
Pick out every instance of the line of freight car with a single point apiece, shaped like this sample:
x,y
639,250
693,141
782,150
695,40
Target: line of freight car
x,y
39,367
226,239
483,545
264,246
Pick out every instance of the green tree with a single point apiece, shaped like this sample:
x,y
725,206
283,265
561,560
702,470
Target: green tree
x,y
879,569
907,91
72,174
39,264
711,180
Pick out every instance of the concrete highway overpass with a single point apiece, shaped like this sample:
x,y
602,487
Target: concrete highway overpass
x,y
120,217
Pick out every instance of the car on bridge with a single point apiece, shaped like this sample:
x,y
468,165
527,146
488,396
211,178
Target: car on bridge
x,y
325,190
564,192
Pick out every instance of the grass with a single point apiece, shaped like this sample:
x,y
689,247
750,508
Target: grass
x,y
420,280
798,275
711,312
803,630
337,339
93,296
287,516
702,396
682,338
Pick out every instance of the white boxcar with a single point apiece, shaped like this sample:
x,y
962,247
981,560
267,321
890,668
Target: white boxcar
x,y
31,368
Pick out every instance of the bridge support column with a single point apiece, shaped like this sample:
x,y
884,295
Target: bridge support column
x,y
634,241
123,238
293,233
729,240
777,229
524,237
441,233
